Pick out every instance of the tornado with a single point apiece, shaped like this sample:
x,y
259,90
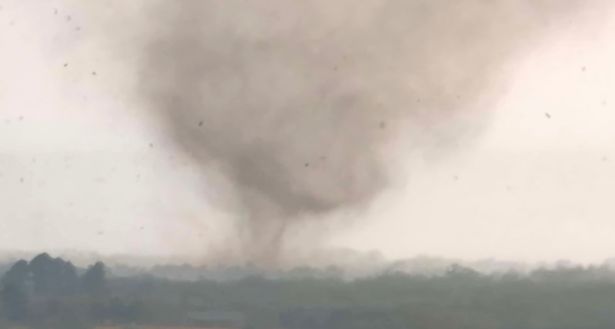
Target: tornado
x,y
296,103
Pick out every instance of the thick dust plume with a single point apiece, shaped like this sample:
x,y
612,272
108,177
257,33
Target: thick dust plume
x,y
296,102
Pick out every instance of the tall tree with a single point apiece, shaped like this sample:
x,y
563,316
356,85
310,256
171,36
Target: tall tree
x,y
94,279
53,276
18,274
16,286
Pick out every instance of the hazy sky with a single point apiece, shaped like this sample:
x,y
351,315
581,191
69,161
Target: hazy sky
x,y
82,168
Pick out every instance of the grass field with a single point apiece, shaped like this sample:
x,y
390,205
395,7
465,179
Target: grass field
x,y
139,327
155,327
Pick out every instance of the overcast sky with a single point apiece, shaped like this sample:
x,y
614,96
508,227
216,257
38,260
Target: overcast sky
x,y
82,168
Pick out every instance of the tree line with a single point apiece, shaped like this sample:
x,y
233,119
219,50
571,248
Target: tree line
x,y
48,292
51,293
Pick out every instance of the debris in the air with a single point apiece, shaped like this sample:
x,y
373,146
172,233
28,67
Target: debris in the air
x,y
93,72
55,11
456,178
151,145
548,115
68,18
383,125
307,164
583,68
65,64
200,123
